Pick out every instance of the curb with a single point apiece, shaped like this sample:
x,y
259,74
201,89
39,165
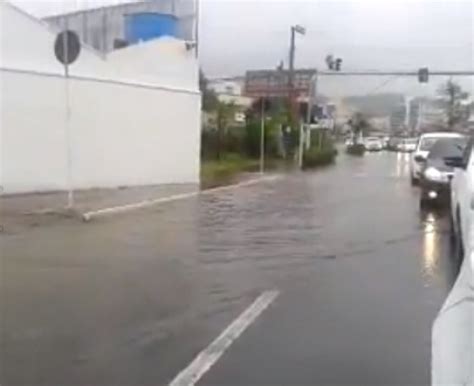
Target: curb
x,y
88,216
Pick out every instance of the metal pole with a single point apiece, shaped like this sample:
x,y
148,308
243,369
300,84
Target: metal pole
x,y
396,73
262,136
291,69
196,26
70,195
303,133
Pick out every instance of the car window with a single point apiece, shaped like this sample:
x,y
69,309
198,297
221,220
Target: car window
x,y
427,143
448,147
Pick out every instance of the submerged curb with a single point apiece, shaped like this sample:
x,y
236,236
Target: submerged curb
x,y
88,216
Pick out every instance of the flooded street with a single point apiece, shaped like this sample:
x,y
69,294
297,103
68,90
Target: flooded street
x,y
131,299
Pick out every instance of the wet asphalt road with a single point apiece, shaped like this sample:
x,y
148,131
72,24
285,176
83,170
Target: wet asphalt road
x,y
130,300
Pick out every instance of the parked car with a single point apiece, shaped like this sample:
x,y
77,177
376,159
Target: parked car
x,y
393,143
462,198
407,145
348,141
373,144
439,169
425,142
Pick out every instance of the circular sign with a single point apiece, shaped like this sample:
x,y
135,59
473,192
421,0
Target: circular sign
x,y
67,47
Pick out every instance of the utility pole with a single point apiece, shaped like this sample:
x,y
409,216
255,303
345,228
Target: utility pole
x,y
291,69
291,72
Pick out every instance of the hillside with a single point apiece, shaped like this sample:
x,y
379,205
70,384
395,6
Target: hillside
x,y
376,105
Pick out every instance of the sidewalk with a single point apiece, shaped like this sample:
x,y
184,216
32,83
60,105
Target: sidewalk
x,y
29,210
22,211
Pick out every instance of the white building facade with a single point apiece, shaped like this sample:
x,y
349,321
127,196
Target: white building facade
x,y
134,115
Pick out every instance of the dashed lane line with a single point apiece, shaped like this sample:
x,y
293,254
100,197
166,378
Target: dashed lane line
x,y
211,354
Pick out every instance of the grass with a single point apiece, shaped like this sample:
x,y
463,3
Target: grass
x,y
224,171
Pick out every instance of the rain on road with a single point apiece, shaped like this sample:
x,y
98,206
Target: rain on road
x,y
131,299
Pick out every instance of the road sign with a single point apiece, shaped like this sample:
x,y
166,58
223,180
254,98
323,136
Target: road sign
x,y
67,47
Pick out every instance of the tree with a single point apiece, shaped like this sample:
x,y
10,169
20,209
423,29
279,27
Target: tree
x,y
225,113
209,97
453,95
359,125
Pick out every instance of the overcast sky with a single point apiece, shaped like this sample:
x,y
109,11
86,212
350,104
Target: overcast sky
x,y
368,34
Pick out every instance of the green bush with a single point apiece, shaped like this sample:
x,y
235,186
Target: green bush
x,y
251,141
223,171
315,157
356,149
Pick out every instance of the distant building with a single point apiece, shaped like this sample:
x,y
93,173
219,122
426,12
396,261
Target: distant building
x,y
431,116
381,124
104,28
230,91
398,119
230,86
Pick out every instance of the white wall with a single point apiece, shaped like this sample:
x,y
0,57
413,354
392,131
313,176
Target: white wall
x,y
135,117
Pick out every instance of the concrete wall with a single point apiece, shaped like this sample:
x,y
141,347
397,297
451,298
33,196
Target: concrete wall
x,y
134,116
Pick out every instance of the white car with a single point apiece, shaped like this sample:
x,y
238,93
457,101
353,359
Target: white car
x,y
373,144
418,158
407,145
462,198
452,349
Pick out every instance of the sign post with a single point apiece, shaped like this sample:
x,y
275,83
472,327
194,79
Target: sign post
x,y
66,49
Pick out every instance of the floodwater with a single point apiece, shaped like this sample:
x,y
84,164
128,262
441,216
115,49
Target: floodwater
x,y
131,299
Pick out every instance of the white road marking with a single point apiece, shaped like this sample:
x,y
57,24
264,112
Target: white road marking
x,y
211,354
147,203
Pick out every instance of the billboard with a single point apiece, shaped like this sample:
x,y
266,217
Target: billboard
x,y
275,83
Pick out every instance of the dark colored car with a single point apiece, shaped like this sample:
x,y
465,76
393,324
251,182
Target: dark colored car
x,y
438,170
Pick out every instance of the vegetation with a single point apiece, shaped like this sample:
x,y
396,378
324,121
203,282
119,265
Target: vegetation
x,y
453,95
209,97
357,149
322,152
360,126
224,171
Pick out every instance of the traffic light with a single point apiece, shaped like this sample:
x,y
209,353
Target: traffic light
x,y
330,62
334,64
423,75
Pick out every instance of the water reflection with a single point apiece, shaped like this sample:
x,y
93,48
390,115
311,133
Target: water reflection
x,y
402,165
430,245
